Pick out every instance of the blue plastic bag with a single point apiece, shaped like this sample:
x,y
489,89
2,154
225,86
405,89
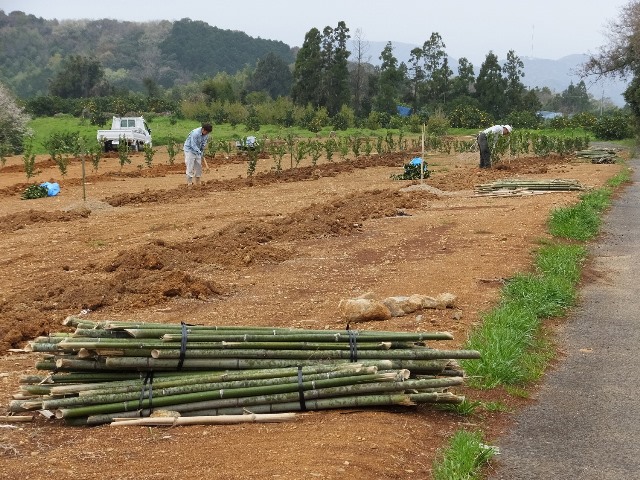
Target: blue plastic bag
x,y
416,161
52,188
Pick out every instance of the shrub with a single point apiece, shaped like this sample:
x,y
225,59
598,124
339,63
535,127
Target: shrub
x,y
524,119
469,117
438,124
615,126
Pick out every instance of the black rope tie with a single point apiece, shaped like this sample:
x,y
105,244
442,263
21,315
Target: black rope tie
x,y
303,405
183,344
148,381
353,344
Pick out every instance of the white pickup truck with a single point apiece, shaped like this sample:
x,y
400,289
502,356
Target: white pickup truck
x,y
134,130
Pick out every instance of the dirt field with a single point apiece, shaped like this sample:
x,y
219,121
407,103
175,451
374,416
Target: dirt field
x,y
274,250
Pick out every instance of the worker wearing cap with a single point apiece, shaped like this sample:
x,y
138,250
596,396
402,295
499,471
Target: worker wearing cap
x,y
194,147
493,132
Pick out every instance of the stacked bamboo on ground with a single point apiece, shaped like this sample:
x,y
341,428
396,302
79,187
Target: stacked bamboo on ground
x,y
599,155
511,186
118,370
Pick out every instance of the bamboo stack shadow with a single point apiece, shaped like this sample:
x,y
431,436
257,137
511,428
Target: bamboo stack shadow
x,y
111,370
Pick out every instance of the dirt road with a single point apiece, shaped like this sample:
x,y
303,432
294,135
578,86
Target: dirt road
x,y
585,422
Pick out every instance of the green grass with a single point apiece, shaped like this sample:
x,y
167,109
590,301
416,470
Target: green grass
x,y
162,130
463,457
513,351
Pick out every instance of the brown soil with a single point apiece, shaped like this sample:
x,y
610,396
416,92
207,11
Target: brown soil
x,y
272,250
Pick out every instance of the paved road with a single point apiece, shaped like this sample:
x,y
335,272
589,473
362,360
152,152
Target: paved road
x,y
586,424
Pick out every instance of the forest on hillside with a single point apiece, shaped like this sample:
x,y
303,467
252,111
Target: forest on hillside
x,y
169,53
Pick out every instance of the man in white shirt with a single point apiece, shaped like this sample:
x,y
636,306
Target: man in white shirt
x,y
493,133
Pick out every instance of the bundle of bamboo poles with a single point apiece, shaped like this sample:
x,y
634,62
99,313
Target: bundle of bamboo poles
x,y
510,185
599,155
111,370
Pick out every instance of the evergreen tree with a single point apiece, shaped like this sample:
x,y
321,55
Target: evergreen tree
x,y
464,83
389,82
335,72
272,75
575,99
437,71
416,75
307,72
79,77
514,70
490,87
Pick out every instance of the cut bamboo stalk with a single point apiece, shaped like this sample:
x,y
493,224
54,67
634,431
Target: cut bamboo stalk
x,y
163,401
16,418
144,364
205,420
288,384
413,354
331,392
188,378
320,336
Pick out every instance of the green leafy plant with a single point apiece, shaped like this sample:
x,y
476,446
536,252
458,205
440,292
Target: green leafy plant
x,y
94,153
253,161
29,161
300,151
149,152
330,147
412,172
172,149
278,151
314,148
123,152
34,191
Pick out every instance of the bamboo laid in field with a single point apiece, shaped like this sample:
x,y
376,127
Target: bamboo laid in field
x,y
111,369
523,184
205,420
321,355
195,377
163,401
278,384
318,336
16,418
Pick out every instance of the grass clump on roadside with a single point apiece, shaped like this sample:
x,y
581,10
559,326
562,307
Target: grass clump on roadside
x,y
582,221
463,457
513,351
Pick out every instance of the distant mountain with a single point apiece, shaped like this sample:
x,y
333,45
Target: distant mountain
x,y
538,72
558,75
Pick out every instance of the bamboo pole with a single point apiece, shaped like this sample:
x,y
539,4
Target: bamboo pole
x,y
16,418
414,354
310,337
205,420
330,392
188,378
287,382
162,401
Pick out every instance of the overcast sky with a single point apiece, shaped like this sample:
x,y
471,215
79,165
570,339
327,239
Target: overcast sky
x,y
548,29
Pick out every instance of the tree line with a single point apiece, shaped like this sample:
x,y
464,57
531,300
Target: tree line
x,y
329,80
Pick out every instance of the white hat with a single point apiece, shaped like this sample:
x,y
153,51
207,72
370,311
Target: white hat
x,y
508,127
